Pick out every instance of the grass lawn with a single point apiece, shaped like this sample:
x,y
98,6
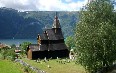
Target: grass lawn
x,y
7,66
57,67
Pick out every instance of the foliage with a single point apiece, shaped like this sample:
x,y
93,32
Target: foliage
x,y
28,70
13,46
11,54
96,35
8,53
70,42
24,46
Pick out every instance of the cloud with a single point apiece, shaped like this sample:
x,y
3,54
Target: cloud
x,y
68,0
18,4
43,5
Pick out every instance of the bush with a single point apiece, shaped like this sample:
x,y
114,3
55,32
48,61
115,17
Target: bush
x,y
1,56
7,53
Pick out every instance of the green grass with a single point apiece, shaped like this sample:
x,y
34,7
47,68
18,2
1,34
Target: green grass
x,y
7,66
57,67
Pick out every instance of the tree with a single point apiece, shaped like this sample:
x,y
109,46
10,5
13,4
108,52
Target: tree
x,y
7,53
13,46
70,42
24,46
96,35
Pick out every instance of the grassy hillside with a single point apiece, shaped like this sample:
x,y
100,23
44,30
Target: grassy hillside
x,y
56,67
9,67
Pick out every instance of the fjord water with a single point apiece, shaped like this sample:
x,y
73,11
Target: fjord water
x,y
17,41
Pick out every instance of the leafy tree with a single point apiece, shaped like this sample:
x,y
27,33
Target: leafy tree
x,y
7,53
24,46
13,46
96,35
10,54
70,42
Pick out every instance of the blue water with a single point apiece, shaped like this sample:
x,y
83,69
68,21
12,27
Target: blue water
x,y
17,41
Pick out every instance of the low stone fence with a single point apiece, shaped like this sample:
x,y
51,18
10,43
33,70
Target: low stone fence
x,y
31,67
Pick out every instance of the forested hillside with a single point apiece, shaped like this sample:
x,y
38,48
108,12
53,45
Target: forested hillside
x,y
27,25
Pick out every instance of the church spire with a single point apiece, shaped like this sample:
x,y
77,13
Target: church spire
x,y
56,23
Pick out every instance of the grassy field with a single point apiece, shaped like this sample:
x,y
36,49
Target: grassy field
x,y
56,67
9,67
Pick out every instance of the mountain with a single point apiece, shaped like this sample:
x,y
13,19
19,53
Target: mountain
x,y
27,25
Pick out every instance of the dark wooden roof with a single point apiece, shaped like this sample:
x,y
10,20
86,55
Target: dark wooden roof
x,y
43,36
54,33
36,47
51,34
59,34
60,46
54,36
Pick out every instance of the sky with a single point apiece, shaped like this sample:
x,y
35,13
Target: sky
x,y
44,5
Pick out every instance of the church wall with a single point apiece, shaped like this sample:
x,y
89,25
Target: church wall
x,y
56,41
58,53
44,42
39,54
48,54
29,54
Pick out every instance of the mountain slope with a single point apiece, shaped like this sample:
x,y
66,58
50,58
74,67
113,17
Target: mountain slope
x,y
23,25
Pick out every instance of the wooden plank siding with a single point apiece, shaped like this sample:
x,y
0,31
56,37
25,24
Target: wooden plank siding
x,y
29,55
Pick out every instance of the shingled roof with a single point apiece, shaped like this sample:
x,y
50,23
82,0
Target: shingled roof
x,y
54,36
60,46
51,34
59,34
43,36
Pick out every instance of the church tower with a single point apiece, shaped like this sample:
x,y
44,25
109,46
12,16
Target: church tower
x,y
56,24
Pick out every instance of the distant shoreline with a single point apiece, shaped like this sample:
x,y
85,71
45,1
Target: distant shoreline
x,y
17,41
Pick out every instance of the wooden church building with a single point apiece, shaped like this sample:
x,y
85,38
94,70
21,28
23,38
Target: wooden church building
x,y
50,44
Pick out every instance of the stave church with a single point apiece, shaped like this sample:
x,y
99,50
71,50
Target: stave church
x,y
50,44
